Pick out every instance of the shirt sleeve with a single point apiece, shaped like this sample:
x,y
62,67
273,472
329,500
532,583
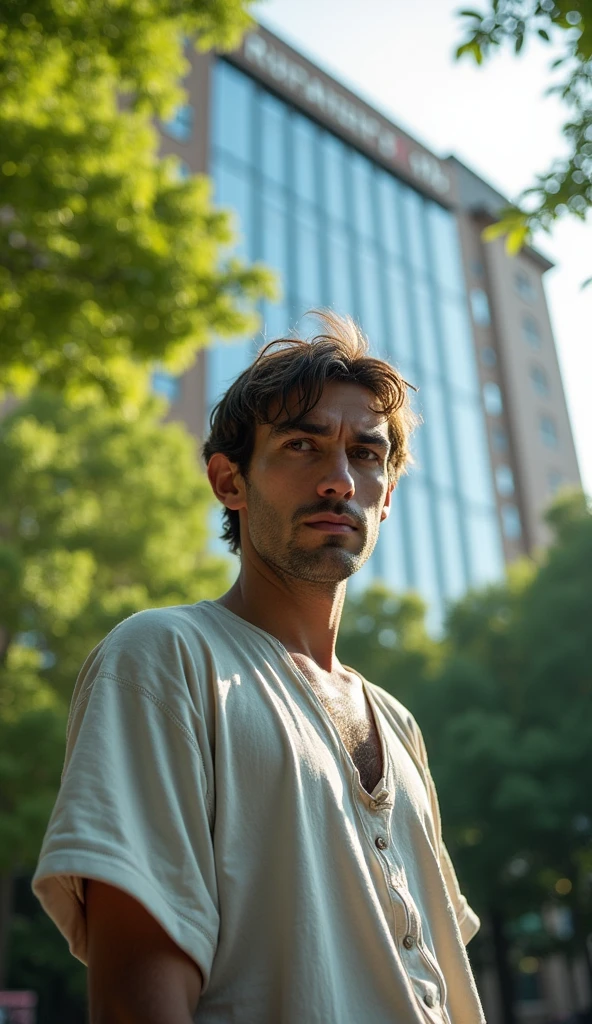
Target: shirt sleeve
x,y
468,922
467,919
134,809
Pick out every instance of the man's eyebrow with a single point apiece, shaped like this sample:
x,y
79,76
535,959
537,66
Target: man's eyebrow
x,y
373,437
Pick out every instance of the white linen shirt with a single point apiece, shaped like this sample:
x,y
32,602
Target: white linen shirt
x,y
205,778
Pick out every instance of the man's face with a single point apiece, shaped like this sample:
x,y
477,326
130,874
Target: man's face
x,y
301,478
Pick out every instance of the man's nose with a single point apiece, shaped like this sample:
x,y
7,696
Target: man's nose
x,y
337,480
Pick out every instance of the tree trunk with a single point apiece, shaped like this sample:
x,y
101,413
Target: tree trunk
x,y
504,972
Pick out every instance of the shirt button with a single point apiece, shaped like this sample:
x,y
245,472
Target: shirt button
x,y
430,999
381,842
409,942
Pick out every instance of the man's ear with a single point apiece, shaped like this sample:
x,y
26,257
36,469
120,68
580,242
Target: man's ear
x,y
226,481
386,508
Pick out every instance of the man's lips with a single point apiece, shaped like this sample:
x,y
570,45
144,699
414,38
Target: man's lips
x,y
328,527
329,522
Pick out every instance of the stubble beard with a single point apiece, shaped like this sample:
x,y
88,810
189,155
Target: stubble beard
x,y
330,563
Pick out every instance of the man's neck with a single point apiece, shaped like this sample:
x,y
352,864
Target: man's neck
x,y
303,616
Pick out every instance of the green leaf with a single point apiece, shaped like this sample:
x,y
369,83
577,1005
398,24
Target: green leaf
x,y
497,230
586,283
519,43
470,14
544,35
516,239
469,47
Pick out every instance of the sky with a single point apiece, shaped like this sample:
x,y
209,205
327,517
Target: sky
x,y
398,54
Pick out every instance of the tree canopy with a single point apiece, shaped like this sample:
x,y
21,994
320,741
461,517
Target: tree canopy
x,y
566,187
100,516
504,700
105,253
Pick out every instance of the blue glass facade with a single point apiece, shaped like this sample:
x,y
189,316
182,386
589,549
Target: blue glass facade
x,y
342,232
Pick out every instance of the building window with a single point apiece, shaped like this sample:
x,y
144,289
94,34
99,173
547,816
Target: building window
x,y
445,249
492,399
480,307
540,381
458,344
180,125
305,147
488,356
499,439
548,431
273,126
555,479
334,159
233,110
504,479
530,330
166,384
511,524
524,286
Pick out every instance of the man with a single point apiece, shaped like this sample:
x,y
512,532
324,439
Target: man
x,y
246,829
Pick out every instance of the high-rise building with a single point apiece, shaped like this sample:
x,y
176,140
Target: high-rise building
x,y
355,214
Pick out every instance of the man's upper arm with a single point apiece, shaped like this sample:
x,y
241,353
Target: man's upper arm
x,y
135,807
136,972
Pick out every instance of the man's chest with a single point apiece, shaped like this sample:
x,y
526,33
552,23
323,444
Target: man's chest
x,y
345,702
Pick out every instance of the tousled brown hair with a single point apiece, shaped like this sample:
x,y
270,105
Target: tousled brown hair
x,y
289,369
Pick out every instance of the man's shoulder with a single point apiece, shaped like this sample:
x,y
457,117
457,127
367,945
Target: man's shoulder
x,y
161,641
158,623
192,623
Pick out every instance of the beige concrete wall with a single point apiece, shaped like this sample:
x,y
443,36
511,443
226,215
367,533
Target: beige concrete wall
x,y
486,337
190,407
487,266
197,83
534,461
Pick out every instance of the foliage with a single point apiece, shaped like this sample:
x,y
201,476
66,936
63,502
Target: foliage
x,y
505,704
39,961
567,186
32,730
99,517
384,637
510,729
105,254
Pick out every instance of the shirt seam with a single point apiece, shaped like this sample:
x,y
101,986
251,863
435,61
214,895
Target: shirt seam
x,y
134,868
130,685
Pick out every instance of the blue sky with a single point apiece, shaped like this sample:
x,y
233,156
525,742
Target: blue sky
x,y
494,118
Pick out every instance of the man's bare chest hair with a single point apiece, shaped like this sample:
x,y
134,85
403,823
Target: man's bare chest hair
x,y
344,700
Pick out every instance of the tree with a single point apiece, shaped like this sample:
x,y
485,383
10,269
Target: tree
x,y
509,715
99,516
566,187
105,255
504,701
383,636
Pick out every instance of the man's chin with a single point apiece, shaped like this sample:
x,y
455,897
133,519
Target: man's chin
x,y
331,563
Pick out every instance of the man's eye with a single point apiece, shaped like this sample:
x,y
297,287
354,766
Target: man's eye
x,y
299,441
366,454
